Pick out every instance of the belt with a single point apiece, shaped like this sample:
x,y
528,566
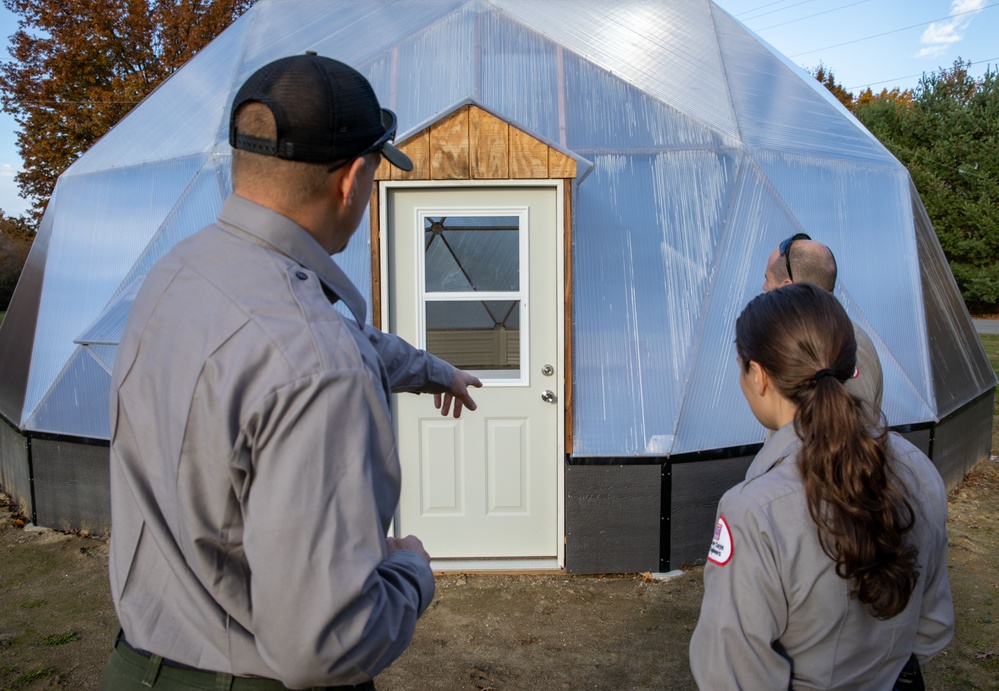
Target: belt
x,y
206,679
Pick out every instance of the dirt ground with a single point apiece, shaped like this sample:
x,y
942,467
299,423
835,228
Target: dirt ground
x,y
526,631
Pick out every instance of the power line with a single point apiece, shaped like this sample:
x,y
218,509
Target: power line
x,y
893,31
779,9
769,4
800,19
910,76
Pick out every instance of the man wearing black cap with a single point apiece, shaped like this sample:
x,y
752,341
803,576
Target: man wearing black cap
x,y
253,463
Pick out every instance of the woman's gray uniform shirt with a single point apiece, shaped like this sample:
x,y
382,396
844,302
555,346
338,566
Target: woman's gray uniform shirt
x,y
775,615
253,462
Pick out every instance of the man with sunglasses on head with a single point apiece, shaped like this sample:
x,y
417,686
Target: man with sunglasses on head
x,y
799,259
254,471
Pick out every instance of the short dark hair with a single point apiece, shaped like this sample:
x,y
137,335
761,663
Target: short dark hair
x,y
813,262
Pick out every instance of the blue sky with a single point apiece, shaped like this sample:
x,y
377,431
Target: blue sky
x,y
881,43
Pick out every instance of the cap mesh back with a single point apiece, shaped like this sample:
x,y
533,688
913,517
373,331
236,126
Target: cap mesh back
x,y
324,109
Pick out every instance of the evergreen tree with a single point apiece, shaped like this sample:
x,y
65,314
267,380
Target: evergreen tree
x,y
947,135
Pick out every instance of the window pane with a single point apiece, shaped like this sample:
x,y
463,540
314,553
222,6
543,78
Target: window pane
x,y
468,253
482,336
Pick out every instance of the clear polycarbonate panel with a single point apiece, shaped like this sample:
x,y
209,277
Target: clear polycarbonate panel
x,y
777,108
355,261
61,412
648,230
961,369
509,57
346,30
180,118
423,75
605,114
17,331
110,324
636,41
375,39
757,221
863,213
904,400
100,224
103,354
197,207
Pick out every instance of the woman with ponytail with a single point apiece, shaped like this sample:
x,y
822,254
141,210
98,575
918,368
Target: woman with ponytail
x,y
828,569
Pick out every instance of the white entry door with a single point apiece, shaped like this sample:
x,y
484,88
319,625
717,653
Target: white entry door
x,y
473,279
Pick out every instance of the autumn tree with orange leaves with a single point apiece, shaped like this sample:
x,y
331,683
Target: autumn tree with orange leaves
x,y
79,66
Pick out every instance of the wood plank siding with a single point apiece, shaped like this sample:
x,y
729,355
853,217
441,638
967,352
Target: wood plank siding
x,y
471,144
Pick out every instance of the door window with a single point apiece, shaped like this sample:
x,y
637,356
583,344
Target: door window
x,y
475,292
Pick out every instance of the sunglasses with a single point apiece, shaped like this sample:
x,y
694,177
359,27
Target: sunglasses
x,y
390,123
785,251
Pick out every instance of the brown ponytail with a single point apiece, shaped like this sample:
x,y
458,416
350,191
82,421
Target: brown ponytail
x,y
800,335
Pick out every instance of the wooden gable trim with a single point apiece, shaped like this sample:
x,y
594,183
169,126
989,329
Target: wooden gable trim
x,y
471,144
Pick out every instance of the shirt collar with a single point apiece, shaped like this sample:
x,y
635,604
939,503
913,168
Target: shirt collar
x,y
267,227
783,443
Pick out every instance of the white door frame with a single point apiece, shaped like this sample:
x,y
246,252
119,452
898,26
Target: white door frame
x,y
383,234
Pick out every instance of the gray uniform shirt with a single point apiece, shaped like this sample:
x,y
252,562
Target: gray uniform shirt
x,y
254,470
775,615
868,383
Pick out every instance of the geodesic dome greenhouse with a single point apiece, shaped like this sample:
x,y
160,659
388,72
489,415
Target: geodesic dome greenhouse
x,y
678,148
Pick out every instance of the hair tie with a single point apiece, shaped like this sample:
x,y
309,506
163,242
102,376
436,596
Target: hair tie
x,y
824,373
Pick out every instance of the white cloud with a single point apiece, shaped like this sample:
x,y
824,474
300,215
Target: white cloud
x,y
939,36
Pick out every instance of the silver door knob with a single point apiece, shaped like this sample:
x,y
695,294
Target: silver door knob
x,y
548,396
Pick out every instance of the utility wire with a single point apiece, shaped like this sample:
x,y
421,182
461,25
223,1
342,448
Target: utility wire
x,y
909,76
894,31
799,19
769,4
779,9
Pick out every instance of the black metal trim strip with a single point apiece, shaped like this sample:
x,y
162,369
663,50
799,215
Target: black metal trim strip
x,y
696,456
665,500
31,480
67,438
615,460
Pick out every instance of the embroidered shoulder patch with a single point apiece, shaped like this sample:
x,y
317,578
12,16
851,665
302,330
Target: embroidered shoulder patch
x,y
721,546
856,372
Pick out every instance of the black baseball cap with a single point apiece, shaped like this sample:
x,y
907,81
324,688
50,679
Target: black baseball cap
x,y
325,111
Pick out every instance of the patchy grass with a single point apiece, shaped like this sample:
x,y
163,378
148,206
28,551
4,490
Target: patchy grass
x,y
972,658
61,638
37,674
